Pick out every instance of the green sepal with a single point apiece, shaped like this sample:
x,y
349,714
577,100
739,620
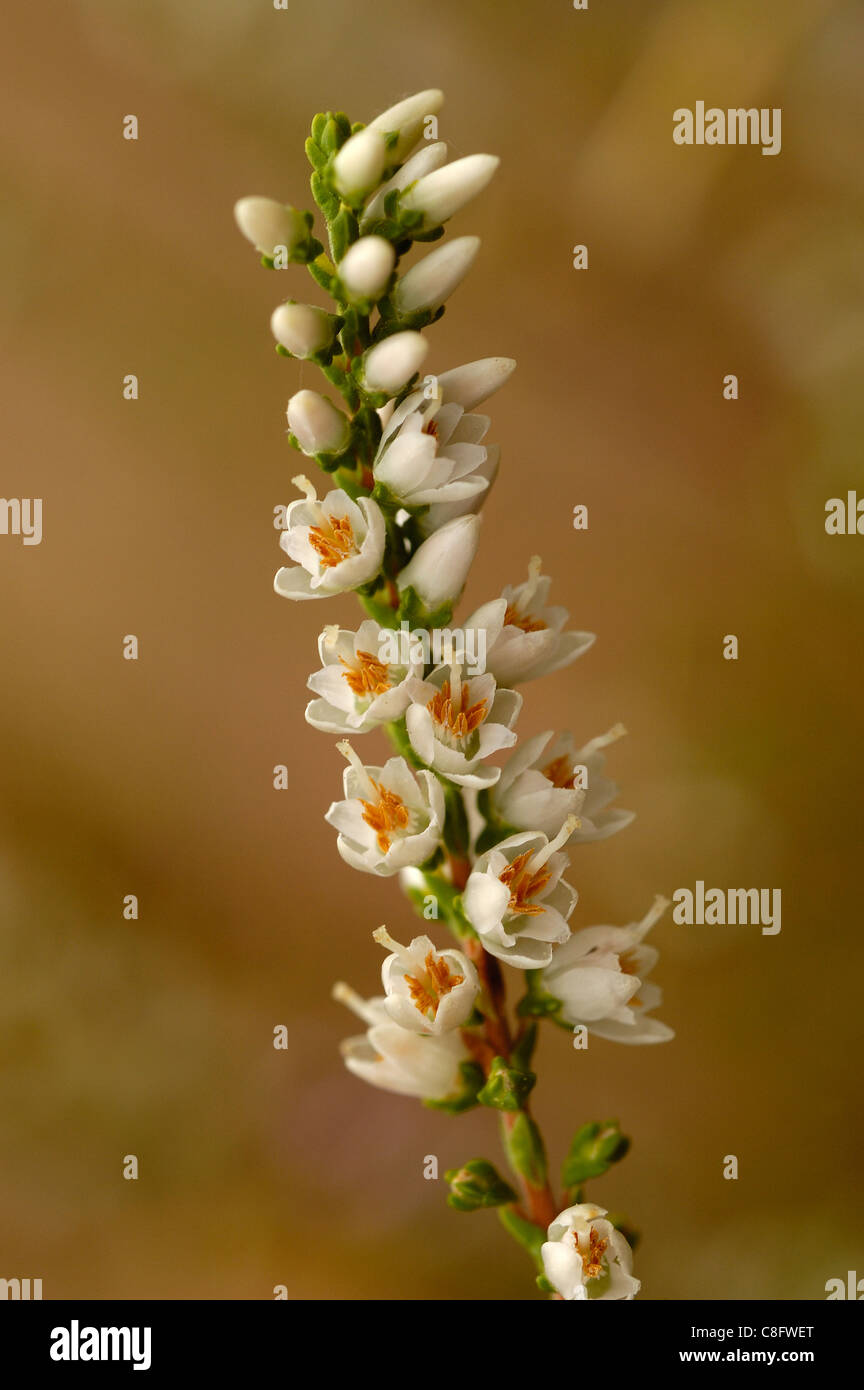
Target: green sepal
x,y
283,351
327,200
523,1144
537,1001
594,1148
413,610
529,1236
471,1074
544,1286
477,1184
506,1087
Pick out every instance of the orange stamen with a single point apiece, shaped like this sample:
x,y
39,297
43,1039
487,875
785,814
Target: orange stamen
x,y
332,544
460,721
388,813
427,994
514,618
369,677
524,885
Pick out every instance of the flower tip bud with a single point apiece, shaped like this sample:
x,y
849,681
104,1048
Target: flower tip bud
x,y
359,164
437,196
269,225
317,424
472,384
302,329
432,280
366,267
439,567
392,362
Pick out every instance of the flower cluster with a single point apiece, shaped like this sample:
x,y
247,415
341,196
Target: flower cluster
x,y
483,847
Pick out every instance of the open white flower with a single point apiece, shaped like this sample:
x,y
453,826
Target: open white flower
x,y
389,1056
530,639
390,818
432,452
517,901
454,724
542,785
585,1257
428,991
338,544
599,976
357,688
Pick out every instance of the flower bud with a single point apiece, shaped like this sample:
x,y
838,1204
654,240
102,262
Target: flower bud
x,y
439,194
269,225
302,329
438,569
406,119
432,280
366,267
423,162
318,426
358,166
477,1184
391,363
469,385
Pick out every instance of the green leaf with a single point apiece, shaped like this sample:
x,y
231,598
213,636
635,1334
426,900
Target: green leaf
x,y
595,1147
522,1053
507,1087
477,1184
529,1236
523,1144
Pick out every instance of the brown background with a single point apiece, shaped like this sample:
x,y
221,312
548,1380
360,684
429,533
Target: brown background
x,y
153,1037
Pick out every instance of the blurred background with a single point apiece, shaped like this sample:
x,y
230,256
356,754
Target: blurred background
x,y
706,517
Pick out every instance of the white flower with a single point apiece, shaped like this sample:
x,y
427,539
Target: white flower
x,y
476,381
599,976
391,817
359,164
431,452
517,901
423,162
390,364
318,426
439,513
358,689
303,329
428,991
437,196
406,119
585,1257
530,641
338,544
391,1057
366,267
269,225
432,280
541,786
453,724
439,567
